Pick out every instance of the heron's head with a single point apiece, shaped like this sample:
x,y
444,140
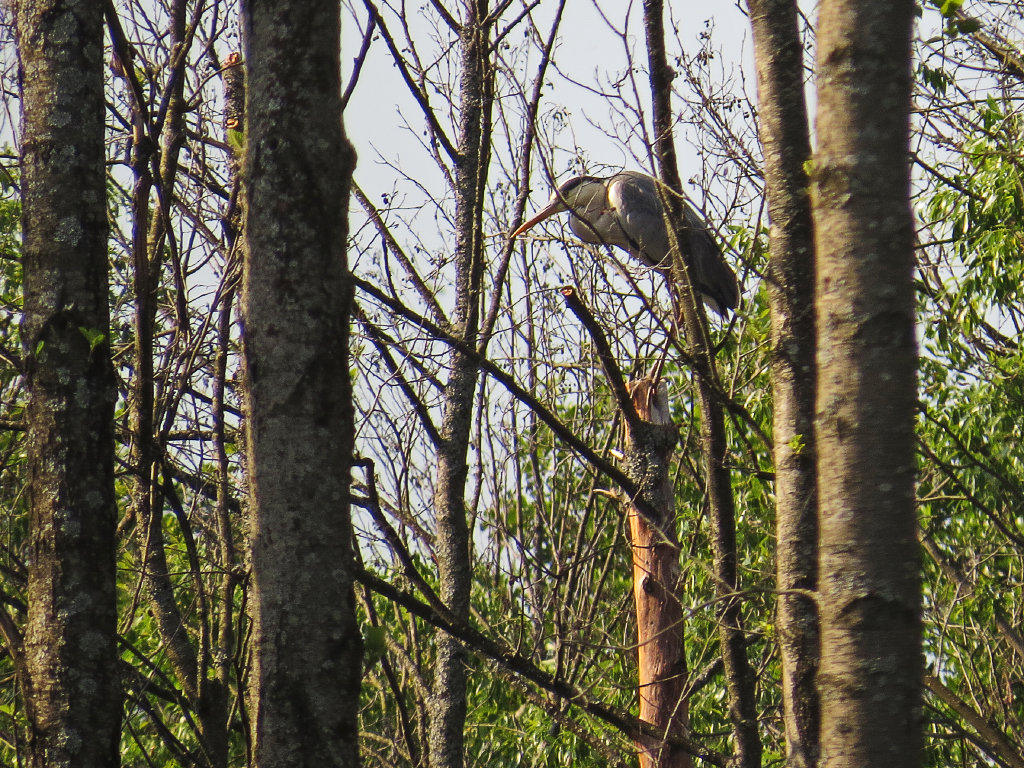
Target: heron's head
x,y
571,194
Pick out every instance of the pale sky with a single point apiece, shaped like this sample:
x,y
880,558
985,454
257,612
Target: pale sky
x,y
589,54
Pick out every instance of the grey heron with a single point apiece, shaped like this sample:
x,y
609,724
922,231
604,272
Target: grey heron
x,y
625,210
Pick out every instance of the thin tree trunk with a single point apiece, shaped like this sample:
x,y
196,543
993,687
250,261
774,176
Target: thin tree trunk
x,y
304,685
871,661
152,241
218,692
661,653
447,706
739,676
69,670
785,140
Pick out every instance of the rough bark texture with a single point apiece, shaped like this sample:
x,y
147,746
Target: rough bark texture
x,y
70,672
447,707
304,685
870,674
739,676
785,140
661,653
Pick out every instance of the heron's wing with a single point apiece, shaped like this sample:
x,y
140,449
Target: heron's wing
x,y
711,274
641,213
634,202
631,217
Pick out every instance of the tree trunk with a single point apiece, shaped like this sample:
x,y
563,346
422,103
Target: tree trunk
x,y
447,707
870,674
152,247
69,672
304,684
785,140
739,676
661,653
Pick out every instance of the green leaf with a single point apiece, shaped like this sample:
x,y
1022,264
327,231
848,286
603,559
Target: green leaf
x,y
935,79
6,180
236,140
968,26
95,338
374,643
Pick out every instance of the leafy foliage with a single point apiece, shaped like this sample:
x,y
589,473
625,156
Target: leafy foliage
x,y
972,474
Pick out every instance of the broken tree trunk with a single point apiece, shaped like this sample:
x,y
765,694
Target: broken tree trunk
x,y
655,547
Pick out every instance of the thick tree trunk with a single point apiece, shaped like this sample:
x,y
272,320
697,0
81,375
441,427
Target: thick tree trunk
x,y
739,676
870,674
304,685
661,653
69,672
785,140
447,706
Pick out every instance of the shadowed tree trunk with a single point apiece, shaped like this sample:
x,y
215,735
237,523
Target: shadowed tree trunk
x,y
785,139
68,662
870,674
304,685
739,676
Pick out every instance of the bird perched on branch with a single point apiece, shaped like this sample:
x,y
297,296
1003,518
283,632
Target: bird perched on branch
x,y
625,210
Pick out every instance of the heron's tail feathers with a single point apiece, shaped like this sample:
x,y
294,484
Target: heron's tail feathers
x,y
710,273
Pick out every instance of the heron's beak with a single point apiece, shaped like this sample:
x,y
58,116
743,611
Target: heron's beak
x,y
555,206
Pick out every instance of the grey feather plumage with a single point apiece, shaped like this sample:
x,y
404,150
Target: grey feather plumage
x,y
625,210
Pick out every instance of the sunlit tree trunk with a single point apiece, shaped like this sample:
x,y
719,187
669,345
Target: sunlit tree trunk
x,y
870,673
785,140
69,662
661,653
304,684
